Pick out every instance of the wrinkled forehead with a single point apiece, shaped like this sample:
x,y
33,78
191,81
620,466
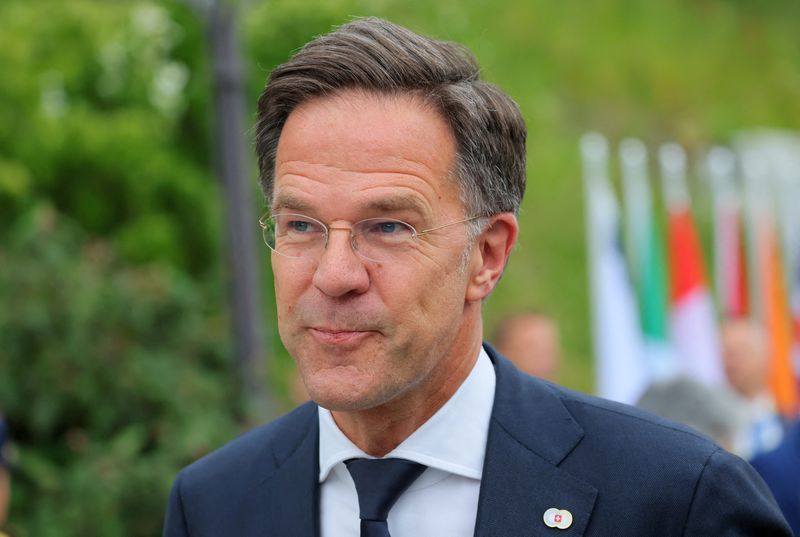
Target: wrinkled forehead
x,y
391,146
396,124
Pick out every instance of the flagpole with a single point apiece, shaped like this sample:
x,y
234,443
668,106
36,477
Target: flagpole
x,y
728,247
633,163
619,355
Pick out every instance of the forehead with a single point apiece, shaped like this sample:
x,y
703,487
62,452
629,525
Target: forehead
x,y
740,332
366,148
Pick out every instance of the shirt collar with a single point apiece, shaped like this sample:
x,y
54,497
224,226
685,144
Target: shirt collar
x,y
452,440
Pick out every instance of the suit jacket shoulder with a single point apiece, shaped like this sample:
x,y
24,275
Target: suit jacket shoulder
x,y
255,454
617,469
266,478
780,469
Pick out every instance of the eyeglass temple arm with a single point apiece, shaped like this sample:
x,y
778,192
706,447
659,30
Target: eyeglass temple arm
x,y
470,219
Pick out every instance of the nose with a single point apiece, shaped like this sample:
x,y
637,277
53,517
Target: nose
x,y
340,270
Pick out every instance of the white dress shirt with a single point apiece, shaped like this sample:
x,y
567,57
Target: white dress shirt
x,y
443,501
762,429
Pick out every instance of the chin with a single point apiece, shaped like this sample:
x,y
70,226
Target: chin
x,y
337,388
342,402
345,396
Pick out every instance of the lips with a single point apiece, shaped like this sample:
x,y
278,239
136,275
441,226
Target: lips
x,y
338,336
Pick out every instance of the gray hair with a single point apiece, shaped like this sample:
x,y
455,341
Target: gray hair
x,y
712,410
377,56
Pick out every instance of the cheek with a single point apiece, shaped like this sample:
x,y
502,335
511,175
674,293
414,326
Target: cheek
x,y
434,292
290,283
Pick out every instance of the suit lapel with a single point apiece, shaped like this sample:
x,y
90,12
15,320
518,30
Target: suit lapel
x,y
531,432
290,497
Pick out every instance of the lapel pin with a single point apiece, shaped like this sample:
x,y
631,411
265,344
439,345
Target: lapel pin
x,y
557,518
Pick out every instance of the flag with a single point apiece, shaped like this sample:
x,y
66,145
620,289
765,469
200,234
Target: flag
x,y
796,318
693,325
788,164
730,263
782,379
648,265
770,277
619,362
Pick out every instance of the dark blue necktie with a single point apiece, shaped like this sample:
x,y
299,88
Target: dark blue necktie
x,y
379,483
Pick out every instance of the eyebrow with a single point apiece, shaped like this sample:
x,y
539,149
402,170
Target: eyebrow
x,y
395,203
382,205
287,201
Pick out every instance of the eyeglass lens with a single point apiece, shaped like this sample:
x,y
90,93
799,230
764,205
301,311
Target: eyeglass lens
x,y
378,239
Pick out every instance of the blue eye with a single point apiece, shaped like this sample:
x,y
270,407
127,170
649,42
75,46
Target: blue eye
x,y
298,225
385,228
383,232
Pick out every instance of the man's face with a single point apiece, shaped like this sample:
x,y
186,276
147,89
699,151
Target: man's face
x,y
532,343
364,333
744,357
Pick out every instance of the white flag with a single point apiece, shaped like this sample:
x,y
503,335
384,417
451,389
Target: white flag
x,y
619,353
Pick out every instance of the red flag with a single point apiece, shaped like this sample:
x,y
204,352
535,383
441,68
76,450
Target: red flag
x,y
730,264
693,320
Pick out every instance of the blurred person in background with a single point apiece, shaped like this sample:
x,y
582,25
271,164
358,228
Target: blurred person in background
x,y
746,361
530,340
5,475
711,410
780,468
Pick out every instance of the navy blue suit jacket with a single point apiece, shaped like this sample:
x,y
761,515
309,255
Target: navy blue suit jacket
x,y
781,471
619,471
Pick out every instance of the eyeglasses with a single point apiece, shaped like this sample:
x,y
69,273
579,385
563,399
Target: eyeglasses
x,y
375,239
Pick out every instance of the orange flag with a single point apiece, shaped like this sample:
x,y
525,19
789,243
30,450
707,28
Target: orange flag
x,y
777,322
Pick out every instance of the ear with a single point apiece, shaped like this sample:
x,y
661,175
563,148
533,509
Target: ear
x,y
491,254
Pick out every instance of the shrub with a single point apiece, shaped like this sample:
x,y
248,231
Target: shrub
x,y
113,378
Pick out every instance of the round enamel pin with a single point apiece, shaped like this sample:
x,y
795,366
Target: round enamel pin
x,y
557,518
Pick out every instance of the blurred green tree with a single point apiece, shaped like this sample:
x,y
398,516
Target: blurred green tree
x,y
113,377
107,118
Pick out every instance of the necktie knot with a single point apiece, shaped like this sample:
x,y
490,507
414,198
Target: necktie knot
x,y
379,483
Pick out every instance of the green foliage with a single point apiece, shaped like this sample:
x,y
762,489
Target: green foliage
x,y
113,378
109,103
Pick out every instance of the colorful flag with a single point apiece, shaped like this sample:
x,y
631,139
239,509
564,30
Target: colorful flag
x,y
770,278
648,265
730,263
619,361
782,379
789,196
795,298
693,324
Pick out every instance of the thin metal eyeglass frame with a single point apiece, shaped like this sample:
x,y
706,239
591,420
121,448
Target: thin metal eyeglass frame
x,y
353,243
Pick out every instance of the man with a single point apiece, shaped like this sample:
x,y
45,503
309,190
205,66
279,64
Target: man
x,y
531,342
780,469
393,176
712,410
5,477
744,355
